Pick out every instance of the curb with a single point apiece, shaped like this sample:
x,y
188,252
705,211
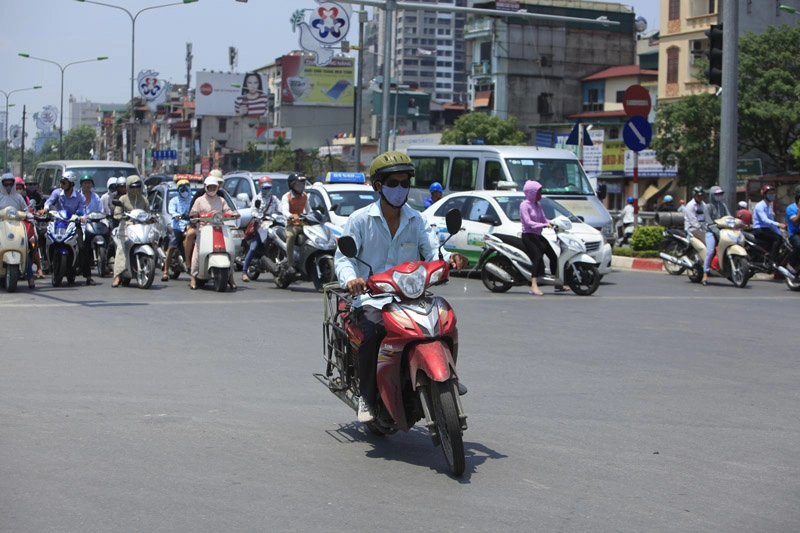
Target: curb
x,y
636,263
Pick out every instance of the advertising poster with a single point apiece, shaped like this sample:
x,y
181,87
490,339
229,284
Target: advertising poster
x,y
614,158
217,96
305,83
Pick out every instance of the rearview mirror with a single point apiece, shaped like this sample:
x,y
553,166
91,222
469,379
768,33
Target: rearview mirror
x,y
489,219
347,245
602,190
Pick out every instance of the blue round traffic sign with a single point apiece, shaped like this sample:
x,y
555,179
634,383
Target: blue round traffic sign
x,y
637,133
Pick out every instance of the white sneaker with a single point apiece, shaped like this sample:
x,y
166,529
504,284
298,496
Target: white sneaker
x,y
365,412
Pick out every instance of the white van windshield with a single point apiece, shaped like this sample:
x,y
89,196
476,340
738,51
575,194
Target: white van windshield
x,y
557,176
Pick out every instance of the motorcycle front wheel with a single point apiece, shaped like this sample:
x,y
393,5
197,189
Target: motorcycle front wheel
x,y
675,250
59,269
100,258
493,283
445,414
327,273
583,279
12,277
144,270
739,270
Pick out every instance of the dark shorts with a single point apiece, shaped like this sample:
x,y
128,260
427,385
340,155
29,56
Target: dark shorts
x,y
176,238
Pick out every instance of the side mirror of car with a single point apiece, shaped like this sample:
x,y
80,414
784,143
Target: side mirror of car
x,y
489,219
334,207
602,190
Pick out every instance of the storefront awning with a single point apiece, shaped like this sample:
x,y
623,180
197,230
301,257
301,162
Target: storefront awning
x,y
483,99
653,191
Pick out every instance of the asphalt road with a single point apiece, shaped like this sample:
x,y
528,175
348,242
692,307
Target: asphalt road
x,y
655,405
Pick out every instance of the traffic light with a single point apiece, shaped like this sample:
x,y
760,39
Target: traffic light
x,y
714,55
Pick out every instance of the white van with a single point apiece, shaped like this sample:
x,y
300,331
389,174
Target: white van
x,y
48,174
480,167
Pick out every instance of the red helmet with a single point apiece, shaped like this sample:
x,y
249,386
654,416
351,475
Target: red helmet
x,y
767,188
19,181
265,182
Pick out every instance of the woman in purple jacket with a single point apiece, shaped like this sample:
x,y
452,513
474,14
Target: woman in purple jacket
x,y
533,221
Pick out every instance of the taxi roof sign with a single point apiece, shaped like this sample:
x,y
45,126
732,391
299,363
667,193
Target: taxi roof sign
x,y
187,177
345,177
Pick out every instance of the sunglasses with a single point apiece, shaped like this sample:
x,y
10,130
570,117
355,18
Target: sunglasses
x,y
136,186
395,182
183,189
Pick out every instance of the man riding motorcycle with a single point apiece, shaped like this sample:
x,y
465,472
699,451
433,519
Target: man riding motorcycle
x,y
269,206
177,207
134,199
694,216
386,233
293,204
765,229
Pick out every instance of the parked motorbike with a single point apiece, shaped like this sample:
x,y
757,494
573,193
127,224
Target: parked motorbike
x,y
730,261
215,250
62,246
504,263
13,246
96,233
416,372
140,246
761,262
266,258
675,246
313,253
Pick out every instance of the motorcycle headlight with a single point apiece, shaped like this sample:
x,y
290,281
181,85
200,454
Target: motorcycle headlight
x,y
730,222
412,284
11,213
142,217
217,218
573,245
437,275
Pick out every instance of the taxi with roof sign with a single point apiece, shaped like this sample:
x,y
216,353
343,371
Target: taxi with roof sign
x,y
339,195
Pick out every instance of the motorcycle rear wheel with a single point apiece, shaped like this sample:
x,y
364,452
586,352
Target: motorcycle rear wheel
x,y
695,274
490,281
220,276
443,405
12,277
147,274
583,279
739,270
675,250
59,269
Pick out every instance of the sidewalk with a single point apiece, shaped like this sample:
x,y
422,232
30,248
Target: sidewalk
x,y
636,263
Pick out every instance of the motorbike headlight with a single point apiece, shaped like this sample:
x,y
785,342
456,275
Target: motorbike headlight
x,y
217,218
437,275
411,284
573,245
730,222
11,213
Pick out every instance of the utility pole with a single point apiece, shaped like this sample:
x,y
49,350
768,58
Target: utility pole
x,y
729,108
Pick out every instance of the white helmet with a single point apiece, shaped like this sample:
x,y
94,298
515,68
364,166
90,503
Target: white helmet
x,y
112,182
122,180
211,180
70,176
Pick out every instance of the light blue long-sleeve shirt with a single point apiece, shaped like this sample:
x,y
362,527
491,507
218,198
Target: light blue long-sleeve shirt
x,y
93,206
179,206
764,218
414,239
71,203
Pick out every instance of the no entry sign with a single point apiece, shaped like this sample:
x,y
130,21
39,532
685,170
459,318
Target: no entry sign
x,y
636,101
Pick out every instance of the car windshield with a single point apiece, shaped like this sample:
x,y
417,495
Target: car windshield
x,y
100,175
349,201
557,176
510,206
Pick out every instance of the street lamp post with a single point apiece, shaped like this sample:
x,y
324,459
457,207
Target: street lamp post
x,y
7,95
133,17
61,110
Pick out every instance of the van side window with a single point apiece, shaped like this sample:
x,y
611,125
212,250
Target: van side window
x,y
428,170
492,174
464,173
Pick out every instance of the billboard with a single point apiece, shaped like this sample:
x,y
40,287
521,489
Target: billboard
x,y
216,95
306,83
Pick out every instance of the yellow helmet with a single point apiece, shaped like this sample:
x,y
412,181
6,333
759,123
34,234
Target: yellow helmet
x,y
181,183
390,163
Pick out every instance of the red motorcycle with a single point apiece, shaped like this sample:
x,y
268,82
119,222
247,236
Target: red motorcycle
x,y
416,373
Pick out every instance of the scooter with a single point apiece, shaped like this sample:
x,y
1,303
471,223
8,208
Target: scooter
x,y
215,250
313,253
13,246
266,258
62,246
96,232
416,373
762,263
504,263
731,259
140,246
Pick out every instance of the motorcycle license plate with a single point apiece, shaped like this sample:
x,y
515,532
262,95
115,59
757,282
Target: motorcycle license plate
x,y
238,234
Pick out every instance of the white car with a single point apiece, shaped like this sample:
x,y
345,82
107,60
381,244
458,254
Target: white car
x,y
339,196
498,212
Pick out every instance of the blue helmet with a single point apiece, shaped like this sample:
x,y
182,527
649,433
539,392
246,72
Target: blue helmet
x,y
436,187
630,199
668,198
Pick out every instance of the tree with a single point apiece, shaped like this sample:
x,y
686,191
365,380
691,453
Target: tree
x,y
79,142
769,93
482,127
687,134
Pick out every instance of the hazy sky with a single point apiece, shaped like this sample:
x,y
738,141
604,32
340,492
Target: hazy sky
x,y
65,31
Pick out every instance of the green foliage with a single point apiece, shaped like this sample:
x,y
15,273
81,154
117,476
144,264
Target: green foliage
x,y
630,252
687,133
769,86
491,130
647,238
79,142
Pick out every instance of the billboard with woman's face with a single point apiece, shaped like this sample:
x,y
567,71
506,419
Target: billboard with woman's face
x,y
217,96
